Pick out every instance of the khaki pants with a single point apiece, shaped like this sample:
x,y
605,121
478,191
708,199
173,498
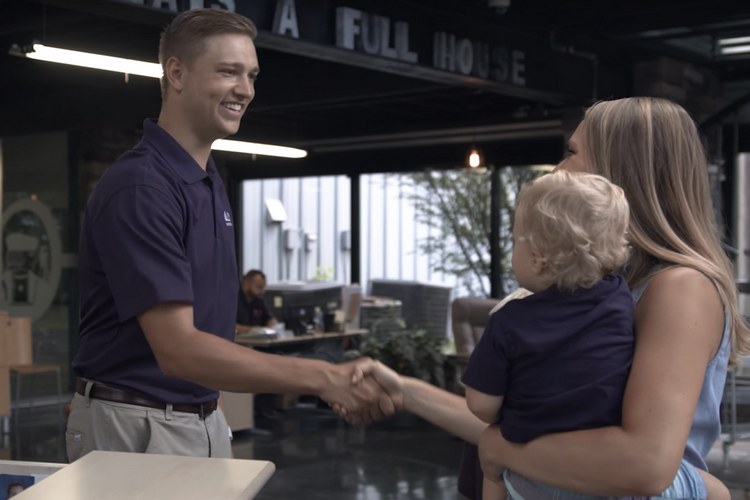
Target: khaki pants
x,y
95,424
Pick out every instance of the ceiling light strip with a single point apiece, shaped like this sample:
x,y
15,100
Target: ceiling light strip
x,y
735,49
254,148
88,60
735,41
153,70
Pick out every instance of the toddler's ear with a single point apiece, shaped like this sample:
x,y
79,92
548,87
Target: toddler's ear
x,y
539,263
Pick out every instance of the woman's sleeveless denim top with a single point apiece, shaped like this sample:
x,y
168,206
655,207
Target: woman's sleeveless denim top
x,y
706,422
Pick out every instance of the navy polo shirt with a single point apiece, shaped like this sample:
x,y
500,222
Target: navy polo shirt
x,y
561,359
157,228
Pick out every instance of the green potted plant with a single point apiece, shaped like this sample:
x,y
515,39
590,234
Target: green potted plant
x,y
409,352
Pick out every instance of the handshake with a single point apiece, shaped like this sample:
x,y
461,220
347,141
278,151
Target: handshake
x,y
364,391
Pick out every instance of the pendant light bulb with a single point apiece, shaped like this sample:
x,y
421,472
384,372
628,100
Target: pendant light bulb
x,y
475,158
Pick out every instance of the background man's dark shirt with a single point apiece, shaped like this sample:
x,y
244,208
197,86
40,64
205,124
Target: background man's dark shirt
x,y
253,312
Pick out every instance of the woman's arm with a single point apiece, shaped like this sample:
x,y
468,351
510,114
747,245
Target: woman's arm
x,y
442,408
438,406
679,322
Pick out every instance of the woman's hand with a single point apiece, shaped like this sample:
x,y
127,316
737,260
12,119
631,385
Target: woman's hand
x,y
368,372
491,450
389,380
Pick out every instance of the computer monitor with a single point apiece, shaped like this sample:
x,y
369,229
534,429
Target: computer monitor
x,y
294,303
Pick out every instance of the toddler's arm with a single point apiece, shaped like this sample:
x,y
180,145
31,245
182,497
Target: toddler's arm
x,y
484,406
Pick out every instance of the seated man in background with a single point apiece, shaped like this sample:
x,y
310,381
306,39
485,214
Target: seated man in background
x,y
252,309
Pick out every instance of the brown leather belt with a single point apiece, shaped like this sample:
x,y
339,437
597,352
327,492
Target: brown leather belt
x,y
119,396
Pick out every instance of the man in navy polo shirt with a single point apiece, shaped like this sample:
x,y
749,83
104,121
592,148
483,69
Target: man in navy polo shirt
x,y
158,274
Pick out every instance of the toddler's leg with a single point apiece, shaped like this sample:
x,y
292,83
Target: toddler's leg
x,y
715,489
691,482
496,491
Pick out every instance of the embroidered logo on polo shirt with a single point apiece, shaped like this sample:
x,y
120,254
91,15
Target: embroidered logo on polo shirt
x,y
227,218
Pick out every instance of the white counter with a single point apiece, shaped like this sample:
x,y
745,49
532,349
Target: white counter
x,y
106,475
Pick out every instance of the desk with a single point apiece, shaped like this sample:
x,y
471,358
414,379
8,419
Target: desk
x,y
328,346
109,475
239,408
297,339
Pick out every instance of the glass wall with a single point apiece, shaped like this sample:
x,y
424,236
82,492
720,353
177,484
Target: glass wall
x,y
296,229
47,179
38,266
430,227
426,231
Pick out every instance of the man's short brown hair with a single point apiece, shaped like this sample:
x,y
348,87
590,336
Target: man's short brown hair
x,y
184,37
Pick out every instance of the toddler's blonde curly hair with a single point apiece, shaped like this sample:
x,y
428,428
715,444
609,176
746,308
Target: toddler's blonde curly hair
x,y
578,222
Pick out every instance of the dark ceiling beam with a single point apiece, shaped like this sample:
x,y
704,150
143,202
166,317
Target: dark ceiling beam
x,y
443,156
620,18
685,31
122,11
465,135
727,111
364,98
43,22
463,10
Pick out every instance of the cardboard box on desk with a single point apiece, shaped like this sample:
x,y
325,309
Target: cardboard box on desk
x,y
15,349
15,340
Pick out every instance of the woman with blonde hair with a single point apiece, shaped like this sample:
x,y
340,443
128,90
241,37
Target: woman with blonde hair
x,y
688,326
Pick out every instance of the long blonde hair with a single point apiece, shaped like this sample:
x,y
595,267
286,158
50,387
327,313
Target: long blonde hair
x,y
652,149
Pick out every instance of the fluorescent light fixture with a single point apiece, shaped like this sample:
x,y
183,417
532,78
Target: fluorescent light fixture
x,y
253,148
153,70
89,60
734,45
734,41
735,49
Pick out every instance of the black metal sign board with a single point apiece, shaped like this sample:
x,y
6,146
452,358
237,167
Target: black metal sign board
x,y
390,36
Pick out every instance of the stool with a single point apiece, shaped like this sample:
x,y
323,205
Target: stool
x,y
21,371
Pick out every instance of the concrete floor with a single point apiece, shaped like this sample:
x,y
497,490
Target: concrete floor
x,y
319,457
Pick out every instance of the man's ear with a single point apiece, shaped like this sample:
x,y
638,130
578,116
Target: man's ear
x,y
174,73
538,263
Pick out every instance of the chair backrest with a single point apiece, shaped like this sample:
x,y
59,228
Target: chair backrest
x,y
469,318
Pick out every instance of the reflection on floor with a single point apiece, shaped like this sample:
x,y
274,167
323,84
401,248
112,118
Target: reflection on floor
x,y
317,456
320,457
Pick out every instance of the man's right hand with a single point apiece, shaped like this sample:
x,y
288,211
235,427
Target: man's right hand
x,y
360,403
389,380
389,383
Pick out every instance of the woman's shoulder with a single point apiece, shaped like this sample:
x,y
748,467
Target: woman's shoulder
x,y
680,276
681,303
682,283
